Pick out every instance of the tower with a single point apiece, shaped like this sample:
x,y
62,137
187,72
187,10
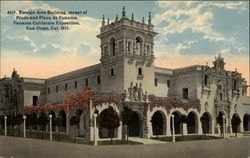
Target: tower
x,y
127,54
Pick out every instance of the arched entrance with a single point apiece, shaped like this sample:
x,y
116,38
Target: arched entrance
x,y
192,123
219,120
134,125
235,123
106,116
80,131
246,122
158,123
62,114
177,124
206,123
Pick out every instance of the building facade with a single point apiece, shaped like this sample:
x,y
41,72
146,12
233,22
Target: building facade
x,y
127,68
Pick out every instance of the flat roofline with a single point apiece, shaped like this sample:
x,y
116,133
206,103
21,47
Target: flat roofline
x,y
68,73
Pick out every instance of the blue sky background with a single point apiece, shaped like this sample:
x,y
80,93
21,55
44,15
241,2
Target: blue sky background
x,y
192,30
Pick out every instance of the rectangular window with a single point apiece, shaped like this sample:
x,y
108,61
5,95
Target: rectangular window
x,y
66,86
35,98
185,93
156,82
98,79
86,82
48,90
57,89
75,84
168,83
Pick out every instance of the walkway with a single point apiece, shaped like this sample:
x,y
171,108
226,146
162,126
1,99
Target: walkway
x,y
146,141
30,148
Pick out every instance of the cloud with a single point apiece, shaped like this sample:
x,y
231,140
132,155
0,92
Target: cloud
x,y
22,43
83,48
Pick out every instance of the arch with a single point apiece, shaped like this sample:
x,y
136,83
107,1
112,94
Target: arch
x,y
112,46
80,127
219,119
234,84
104,132
63,116
158,121
53,120
206,80
139,71
139,45
246,122
206,122
234,121
134,125
192,123
177,125
34,117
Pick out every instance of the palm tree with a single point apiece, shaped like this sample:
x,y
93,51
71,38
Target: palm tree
x,y
74,120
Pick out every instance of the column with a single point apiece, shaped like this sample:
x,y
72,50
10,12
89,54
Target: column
x,y
212,124
184,128
224,126
120,131
168,126
24,126
5,125
95,131
173,135
50,127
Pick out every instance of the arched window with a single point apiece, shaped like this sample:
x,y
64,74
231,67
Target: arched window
x,y
112,46
219,85
234,84
206,80
112,72
138,45
139,71
221,96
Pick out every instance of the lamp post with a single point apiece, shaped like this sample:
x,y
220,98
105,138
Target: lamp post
x,y
173,131
95,132
223,118
24,126
5,125
50,127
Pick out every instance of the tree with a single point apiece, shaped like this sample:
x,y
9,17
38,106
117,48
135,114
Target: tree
x,y
156,121
18,121
74,120
31,121
219,120
109,119
235,124
58,122
126,117
11,122
1,123
43,121
182,119
205,123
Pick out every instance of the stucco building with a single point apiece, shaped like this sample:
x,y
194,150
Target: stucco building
x,y
127,68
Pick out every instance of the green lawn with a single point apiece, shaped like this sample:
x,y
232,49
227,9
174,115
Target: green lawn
x,y
187,138
63,138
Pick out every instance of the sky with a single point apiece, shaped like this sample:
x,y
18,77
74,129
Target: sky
x,y
190,33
